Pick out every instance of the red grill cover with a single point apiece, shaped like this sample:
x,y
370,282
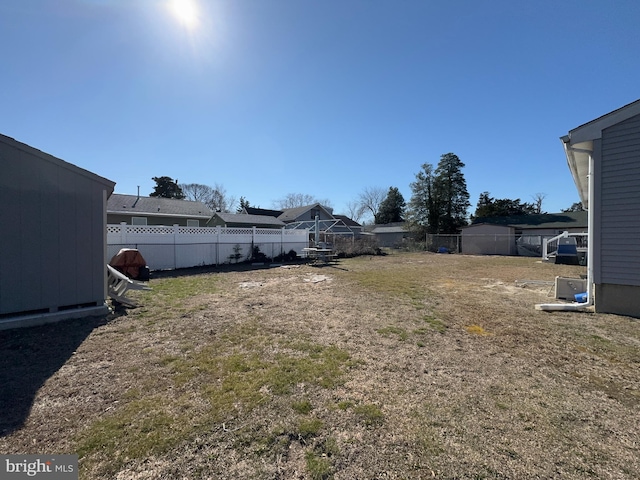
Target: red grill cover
x,y
128,261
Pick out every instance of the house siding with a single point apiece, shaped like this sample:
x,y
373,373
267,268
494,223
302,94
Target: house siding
x,y
619,192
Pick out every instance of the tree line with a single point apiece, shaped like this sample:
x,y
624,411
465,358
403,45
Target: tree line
x,y
439,200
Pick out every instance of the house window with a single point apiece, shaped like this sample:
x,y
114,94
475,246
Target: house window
x,y
138,220
193,223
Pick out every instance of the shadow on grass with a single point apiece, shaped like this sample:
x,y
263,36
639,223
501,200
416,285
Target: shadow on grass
x,y
227,267
29,356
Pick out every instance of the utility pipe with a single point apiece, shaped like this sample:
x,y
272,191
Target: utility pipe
x,y
572,307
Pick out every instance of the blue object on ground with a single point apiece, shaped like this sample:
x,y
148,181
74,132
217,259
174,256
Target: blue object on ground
x,y
580,297
443,250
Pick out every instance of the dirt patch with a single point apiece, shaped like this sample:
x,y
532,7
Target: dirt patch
x,y
405,366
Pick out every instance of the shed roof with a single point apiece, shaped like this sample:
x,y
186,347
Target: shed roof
x,y
57,161
542,220
382,229
156,206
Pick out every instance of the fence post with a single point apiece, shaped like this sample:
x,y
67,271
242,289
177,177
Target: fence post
x,y
175,245
282,241
123,233
217,245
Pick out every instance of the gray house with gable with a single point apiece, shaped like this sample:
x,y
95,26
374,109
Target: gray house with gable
x,y
604,159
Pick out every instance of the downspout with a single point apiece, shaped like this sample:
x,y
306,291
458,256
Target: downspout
x,y
555,307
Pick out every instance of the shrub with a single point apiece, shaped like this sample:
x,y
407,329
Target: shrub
x,y
349,247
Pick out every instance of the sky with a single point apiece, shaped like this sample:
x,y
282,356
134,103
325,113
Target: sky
x,y
320,97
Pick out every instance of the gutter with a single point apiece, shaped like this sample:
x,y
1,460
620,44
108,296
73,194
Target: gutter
x,y
580,307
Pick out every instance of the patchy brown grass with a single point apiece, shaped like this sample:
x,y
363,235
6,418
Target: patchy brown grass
x,y
407,366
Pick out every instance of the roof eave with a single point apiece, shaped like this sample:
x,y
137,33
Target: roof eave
x,y
578,160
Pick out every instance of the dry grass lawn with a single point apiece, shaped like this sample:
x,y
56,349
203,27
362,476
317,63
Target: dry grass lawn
x,y
408,366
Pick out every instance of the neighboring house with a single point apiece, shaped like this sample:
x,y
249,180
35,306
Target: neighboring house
x,y
391,235
306,213
244,220
604,160
518,234
355,227
139,210
305,217
262,211
53,242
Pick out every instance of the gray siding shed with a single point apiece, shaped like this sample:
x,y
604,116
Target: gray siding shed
x,y
53,242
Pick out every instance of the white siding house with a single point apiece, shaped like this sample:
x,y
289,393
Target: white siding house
x,y
609,146
53,242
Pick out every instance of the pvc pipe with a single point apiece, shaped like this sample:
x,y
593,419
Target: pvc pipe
x,y
563,307
578,307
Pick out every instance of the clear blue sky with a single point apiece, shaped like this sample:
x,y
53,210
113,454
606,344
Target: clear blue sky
x,y
321,97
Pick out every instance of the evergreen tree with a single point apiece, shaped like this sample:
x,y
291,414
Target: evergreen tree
x,y
244,203
575,207
451,190
440,198
424,212
502,207
166,188
391,208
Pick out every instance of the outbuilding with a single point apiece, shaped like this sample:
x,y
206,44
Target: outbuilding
x,y
53,242
604,160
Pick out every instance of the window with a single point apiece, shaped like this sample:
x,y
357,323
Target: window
x,y
193,223
138,220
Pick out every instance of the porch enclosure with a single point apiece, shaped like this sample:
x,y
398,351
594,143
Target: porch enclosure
x,y
169,247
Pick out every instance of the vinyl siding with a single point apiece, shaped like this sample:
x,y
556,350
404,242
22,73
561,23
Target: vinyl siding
x,y
620,204
54,233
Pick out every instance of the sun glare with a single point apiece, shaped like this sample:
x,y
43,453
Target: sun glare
x,y
186,12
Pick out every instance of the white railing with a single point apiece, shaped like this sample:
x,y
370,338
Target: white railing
x,y
169,247
550,246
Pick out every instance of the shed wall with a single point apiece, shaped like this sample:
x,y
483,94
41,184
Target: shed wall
x,y
619,191
488,240
54,234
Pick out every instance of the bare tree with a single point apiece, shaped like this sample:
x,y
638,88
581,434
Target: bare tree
x,y
215,197
197,192
355,210
537,202
293,200
220,201
371,198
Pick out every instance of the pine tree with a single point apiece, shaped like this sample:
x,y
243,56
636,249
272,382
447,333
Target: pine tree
x,y
440,199
391,208
166,188
451,191
423,207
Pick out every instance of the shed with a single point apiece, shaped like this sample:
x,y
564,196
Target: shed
x,y
489,239
604,159
519,234
392,235
53,242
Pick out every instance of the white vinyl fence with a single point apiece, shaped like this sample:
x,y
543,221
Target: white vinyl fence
x,y
169,247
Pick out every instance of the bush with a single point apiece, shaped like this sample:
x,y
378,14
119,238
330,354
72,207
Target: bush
x,y
258,256
290,256
349,247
